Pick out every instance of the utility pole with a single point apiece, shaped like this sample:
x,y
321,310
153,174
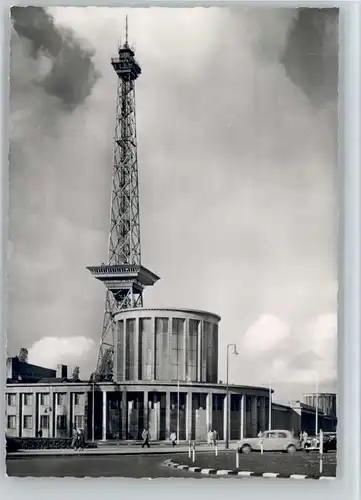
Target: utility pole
x,y
227,393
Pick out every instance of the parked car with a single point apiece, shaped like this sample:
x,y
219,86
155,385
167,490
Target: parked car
x,y
329,443
274,440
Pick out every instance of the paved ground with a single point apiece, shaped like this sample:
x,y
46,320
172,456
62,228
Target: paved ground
x,y
110,450
136,466
299,463
151,465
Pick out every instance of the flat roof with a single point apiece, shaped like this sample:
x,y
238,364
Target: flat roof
x,y
169,309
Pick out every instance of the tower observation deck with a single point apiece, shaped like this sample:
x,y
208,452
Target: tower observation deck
x,y
123,276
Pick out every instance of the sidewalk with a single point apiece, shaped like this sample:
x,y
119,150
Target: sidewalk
x,y
124,449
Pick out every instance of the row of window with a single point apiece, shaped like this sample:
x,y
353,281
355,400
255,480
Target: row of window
x,y
45,422
44,399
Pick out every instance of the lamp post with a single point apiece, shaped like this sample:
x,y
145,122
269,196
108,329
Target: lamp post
x,y
316,411
270,407
93,411
227,392
178,411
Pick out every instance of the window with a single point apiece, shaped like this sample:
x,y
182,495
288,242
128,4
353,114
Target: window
x,y
44,399
61,422
11,399
130,369
61,398
79,421
177,350
192,349
11,422
28,399
77,398
161,345
146,342
44,422
28,422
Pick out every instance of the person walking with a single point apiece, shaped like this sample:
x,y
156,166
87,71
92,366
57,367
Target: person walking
x,y
173,438
210,438
145,437
75,440
81,438
215,437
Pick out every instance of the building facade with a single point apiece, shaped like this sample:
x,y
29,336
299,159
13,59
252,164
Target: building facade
x,y
326,402
166,379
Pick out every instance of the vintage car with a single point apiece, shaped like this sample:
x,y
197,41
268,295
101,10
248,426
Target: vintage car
x,y
274,440
329,443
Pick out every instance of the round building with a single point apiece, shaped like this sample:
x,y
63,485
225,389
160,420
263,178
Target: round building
x,y
166,379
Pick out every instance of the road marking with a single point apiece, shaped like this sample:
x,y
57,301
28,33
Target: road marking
x,y
270,474
297,476
244,473
208,471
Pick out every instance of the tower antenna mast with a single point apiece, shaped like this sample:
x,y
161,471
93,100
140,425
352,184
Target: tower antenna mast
x,y
123,276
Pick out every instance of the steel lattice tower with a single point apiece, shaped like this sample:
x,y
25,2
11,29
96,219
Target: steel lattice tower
x,y
124,276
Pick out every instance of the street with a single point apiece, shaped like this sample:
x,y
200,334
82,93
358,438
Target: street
x,y
151,466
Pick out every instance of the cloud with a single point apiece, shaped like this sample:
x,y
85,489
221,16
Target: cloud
x,y
71,351
237,161
265,335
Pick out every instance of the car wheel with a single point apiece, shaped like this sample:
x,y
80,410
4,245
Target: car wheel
x,y
291,449
246,449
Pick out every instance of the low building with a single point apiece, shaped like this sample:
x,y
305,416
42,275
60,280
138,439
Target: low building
x,y
326,401
165,379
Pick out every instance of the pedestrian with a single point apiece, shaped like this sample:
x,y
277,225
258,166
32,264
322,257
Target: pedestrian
x,y
215,437
75,440
210,437
81,437
145,437
173,438
260,434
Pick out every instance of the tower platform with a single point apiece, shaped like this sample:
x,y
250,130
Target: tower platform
x,y
122,277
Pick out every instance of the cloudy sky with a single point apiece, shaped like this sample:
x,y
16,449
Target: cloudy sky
x,y
237,136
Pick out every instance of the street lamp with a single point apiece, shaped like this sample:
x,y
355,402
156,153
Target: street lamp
x,y
316,411
227,392
270,406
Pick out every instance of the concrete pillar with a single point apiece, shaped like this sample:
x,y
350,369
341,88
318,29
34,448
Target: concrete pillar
x,y
225,400
69,427
199,353
34,413
242,419
124,414
137,358
19,413
262,415
189,411
209,406
254,410
55,414
167,414
51,414
104,420
145,410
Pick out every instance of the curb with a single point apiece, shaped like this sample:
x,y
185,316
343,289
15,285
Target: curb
x,y
243,474
99,453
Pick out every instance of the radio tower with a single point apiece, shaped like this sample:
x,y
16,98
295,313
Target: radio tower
x,y
124,276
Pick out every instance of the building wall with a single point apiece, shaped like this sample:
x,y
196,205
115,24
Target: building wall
x,y
121,412
166,345
326,402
